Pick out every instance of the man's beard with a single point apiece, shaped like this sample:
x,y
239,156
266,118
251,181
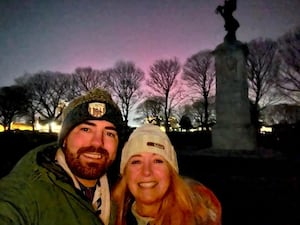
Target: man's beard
x,y
87,170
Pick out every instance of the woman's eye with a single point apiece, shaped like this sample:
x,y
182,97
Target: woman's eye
x,y
133,162
158,161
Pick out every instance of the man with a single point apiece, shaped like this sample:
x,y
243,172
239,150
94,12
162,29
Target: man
x,y
66,182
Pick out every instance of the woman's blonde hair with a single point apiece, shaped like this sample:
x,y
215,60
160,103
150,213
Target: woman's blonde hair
x,y
180,205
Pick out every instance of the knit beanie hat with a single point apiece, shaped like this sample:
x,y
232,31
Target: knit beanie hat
x,y
148,138
95,105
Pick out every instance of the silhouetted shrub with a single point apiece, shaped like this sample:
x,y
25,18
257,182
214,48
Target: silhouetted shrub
x,y
17,143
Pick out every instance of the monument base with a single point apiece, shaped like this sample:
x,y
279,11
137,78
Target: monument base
x,y
234,138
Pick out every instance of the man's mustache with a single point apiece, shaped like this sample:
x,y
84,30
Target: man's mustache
x,y
88,149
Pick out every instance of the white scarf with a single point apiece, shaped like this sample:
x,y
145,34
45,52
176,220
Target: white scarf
x,y
101,191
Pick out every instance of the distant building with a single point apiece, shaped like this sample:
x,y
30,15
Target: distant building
x,y
40,127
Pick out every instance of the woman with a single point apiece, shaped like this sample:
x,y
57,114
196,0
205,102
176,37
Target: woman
x,y
151,191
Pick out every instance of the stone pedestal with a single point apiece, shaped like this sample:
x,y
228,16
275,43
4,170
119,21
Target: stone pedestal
x,y
233,129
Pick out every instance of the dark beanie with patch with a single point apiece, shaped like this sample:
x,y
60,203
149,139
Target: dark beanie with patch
x,y
95,105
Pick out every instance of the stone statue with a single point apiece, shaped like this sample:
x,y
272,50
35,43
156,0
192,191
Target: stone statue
x,y
233,129
231,24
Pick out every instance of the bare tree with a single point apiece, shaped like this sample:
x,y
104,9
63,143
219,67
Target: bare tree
x,y
199,74
124,79
262,66
31,107
163,82
282,114
48,90
151,109
289,76
199,112
86,79
13,102
195,111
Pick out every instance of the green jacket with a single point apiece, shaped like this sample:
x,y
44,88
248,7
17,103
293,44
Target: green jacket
x,y
39,192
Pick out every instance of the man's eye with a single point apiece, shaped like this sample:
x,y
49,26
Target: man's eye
x,y
85,129
111,134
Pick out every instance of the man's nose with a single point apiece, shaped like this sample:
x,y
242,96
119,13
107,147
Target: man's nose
x,y
97,139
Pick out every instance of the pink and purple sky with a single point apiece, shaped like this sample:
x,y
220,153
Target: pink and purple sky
x,y
61,35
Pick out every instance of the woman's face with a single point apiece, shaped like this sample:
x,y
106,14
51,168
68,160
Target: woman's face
x,y
148,177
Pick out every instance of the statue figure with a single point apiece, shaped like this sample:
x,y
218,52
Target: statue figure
x,y
231,24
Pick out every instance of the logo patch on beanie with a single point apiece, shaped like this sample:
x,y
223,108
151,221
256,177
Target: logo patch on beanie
x,y
156,145
97,109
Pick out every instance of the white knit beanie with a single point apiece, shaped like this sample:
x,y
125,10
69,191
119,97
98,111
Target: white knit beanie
x,y
148,138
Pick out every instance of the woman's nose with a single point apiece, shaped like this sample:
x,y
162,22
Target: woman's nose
x,y
147,168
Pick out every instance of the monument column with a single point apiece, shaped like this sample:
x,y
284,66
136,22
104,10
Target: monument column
x,y
233,129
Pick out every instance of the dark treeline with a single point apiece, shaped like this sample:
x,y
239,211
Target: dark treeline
x,y
171,93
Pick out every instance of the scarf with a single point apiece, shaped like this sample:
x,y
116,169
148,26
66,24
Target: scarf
x,y
101,199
